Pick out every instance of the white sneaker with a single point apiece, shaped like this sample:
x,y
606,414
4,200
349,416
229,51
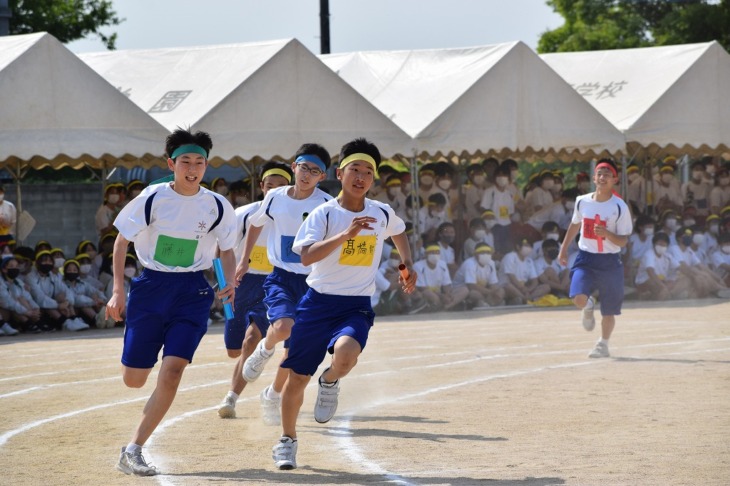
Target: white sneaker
x,y
589,320
284,453
326,405
227,408
255,363
8,330
135,464
75,325
600,351
270,408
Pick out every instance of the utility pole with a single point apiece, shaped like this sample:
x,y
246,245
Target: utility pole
x,y
5,18
324,26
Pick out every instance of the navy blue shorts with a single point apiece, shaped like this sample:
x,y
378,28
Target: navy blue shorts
x,y
599,271
283,292
322,319
249,307
166,311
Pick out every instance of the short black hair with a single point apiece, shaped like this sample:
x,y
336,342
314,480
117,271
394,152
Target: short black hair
x,y
571,193
509,164
316,150
549,225
361,146
547,244
273,164
444,225
477,223
661,236
437,198
610,162
643,220
182,137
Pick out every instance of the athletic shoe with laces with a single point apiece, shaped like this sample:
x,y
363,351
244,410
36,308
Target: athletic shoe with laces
x,y
227,408
8,330
284,453
270,408
255,363
326,405
589,320
600,351
134,463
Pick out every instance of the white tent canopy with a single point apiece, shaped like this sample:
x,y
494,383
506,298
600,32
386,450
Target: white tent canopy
x,y
675,98
258,100
55,110
499,99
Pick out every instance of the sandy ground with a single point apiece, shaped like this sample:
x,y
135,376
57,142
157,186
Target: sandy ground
x,y
493,397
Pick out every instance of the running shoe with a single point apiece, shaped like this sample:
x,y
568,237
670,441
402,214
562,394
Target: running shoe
x,y
227,408
284,453
270,408
589,320
326,405
600,351
134,463
255,363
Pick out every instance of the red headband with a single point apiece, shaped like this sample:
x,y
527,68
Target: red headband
x,y
608,166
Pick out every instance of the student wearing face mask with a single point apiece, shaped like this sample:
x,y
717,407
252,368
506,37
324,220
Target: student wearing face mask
x,y
431,216
667,192
549,231
549,270
696,191
51,293
703,282
426,181
434,282
518,275
446,235
640,242
17,307
500,201
721,259
58,259
558,185
583,183
712,232
478,233
109,209
85,273
220,186
556,211
444,183
541,196
393,195
474,191
86,301
134,187
636,190
669,224
720,194
478,274
657,277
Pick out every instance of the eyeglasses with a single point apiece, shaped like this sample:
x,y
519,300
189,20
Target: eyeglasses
x,y
311,170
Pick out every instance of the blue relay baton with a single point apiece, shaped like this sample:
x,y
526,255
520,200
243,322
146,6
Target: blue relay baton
x,y
221,284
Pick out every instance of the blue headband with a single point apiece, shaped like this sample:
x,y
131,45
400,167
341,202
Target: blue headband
x,y
190,148
313,159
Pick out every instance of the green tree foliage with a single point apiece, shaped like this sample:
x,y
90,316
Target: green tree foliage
x,y
620,24
66,20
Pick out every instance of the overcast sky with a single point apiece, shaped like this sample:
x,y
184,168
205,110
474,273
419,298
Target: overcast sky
x,y
355,25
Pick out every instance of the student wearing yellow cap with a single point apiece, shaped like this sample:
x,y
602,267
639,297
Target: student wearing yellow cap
x,y
434,281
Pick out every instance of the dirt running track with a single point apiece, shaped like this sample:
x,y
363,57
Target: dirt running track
x,y
496,398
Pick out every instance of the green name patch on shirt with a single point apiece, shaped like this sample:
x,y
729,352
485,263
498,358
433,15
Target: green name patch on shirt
x,y
175,252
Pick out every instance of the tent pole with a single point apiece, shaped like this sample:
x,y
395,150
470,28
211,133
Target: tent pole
x,y
19,202
415,207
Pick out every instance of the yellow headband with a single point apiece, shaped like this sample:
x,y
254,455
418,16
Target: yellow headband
x,y
433,248
484,249
279,172
358,156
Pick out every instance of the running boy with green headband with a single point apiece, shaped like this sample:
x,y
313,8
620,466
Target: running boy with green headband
x,y
342,240
176,228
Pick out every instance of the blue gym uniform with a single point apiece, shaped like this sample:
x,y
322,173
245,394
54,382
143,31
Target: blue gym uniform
x,y
249,305
599,271
283,292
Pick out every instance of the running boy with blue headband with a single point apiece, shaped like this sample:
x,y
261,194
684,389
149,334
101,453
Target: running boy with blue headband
x,y
342,240
176,228
283,210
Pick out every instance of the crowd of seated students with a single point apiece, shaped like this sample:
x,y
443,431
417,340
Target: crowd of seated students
x,y
489,236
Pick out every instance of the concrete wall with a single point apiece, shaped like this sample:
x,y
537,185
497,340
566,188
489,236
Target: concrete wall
x,y
64,213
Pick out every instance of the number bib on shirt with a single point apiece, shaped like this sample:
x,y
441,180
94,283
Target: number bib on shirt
x,y
259,260
358,251
175,252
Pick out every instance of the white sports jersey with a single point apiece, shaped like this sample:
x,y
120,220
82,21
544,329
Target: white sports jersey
x,y
351,269
511,264
664,267
613,214
432,278
259,261
172,232
284,215
471,272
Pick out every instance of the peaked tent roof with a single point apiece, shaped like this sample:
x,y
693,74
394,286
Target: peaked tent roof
x,y
258,100
675,98
55,110
499,99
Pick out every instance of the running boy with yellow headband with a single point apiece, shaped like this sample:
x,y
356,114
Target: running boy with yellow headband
x,y
283,210
342,240
604,222
249,324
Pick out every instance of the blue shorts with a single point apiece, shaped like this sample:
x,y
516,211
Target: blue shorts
x,y
249,307
599,271
283,292
165,309
322,319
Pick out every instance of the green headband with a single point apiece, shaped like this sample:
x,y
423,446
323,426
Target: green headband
x,y
189,149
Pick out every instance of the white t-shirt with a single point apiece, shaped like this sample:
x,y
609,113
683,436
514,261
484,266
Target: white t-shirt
x,y
541,265
719,258
351,269
432,278
259,260
523,270
614,214
664,267
639,248
471,272
502,203
284,215
688,256
177,238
